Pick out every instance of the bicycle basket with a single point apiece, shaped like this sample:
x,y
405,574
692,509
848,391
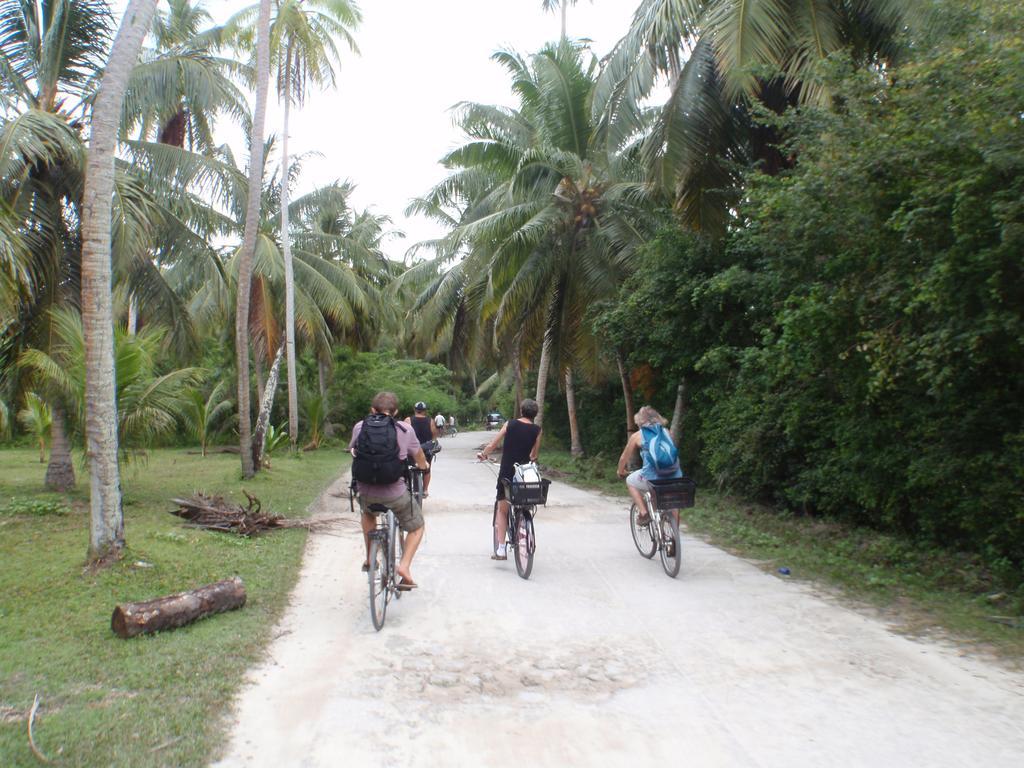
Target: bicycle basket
x,y
674,493
523,493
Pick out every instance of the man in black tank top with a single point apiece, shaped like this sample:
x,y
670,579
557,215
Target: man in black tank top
x,y
426,432
521,444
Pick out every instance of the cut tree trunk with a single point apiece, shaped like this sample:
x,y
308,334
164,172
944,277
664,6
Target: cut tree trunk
x,y
252,222
263,419
106,529
60,472
676,430
575,443
627,393
131,619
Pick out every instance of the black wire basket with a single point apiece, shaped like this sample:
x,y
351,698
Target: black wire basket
x,y
528,492
674,493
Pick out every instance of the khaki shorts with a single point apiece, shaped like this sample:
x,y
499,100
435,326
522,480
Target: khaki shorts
x,y
410,518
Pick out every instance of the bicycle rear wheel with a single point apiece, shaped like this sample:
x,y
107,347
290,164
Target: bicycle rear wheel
x,y
671,544
524,543
378,574
643,537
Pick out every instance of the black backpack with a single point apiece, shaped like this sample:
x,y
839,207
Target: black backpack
x,y
376,461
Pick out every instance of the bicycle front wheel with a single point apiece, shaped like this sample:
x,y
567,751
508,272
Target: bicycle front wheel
x,y
643,537
378,583
524,544
671,544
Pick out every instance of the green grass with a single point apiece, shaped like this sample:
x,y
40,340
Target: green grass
x,y
919,588
152,700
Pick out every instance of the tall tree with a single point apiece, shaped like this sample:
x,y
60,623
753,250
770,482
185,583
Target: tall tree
x,y
107,519
248,249
303,45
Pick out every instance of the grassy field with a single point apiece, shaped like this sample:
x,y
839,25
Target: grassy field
x,y
155,700
923,590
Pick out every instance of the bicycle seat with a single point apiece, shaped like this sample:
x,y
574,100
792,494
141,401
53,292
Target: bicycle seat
x,y
380,509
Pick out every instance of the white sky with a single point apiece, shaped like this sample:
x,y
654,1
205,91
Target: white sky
x,y
388,123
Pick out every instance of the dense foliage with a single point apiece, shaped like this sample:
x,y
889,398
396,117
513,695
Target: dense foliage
x,y
854,345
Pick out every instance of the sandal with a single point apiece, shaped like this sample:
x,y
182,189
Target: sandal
x,y
643,520
405,585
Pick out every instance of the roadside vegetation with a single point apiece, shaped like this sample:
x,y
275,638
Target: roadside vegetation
x,y
152,700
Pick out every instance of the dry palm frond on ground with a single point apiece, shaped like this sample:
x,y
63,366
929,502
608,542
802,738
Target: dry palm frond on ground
x,y
214,513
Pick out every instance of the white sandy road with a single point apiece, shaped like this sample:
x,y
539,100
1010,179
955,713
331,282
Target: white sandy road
x,y
600,659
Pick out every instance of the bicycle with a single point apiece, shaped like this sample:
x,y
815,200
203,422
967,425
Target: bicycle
x,y
382,575
387,543
661,531
520,538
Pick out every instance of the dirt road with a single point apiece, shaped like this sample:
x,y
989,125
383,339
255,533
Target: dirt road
x,y
600,659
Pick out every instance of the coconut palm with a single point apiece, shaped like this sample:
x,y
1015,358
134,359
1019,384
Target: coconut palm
x,y
303,45
250,234
149,402
562,6
203,411
36,418
107,517
183,83
549,222
718,57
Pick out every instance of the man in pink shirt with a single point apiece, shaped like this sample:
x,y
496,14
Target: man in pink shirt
x,y
394,495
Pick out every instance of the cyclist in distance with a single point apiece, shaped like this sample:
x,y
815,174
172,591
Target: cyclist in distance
x,y
520,440
647,421
388,435
426,432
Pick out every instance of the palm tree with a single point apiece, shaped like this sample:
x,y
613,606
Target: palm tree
x,y
149,401
182,85
37,419
203,411
549,221
562,5
251,231
107,518
50,57
303,46
714,54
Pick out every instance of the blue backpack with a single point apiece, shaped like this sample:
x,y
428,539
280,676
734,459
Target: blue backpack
x,y
664,456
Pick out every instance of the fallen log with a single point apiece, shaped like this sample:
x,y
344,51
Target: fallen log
x,y
131,619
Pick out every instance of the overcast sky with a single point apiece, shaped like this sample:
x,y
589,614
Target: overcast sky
x,y
389,121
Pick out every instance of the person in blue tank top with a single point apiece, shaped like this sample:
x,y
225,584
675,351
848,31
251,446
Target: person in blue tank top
x,y
647,420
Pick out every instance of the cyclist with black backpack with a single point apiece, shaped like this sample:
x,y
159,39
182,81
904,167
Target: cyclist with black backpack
x,y
382,449
657,451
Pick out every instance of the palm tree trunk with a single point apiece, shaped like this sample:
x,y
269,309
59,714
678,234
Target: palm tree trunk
x,y
133,316
676,430
575,444
322,371
60,472
289,276
257,364
106,530
252,221
517,373
542,377
627,393
564,4
263,418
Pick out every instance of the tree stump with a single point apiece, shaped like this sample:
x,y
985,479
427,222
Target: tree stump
x,y
131,619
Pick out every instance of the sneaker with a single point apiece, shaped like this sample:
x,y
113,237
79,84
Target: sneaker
x,y
500,554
